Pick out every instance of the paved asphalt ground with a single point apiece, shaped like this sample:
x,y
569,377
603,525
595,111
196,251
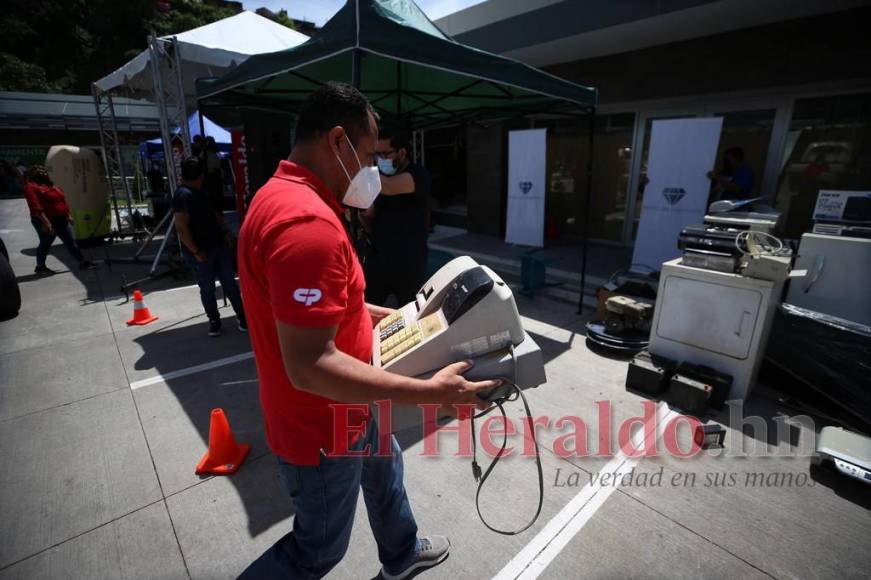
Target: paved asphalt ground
x,y
101,426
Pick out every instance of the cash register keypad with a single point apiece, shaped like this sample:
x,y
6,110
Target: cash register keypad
x,y
391,329
397,338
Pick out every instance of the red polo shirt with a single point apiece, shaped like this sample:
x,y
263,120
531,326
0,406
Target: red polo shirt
x,y
297,265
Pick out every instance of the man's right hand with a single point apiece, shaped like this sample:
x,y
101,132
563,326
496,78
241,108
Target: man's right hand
x,y
200,256
449,387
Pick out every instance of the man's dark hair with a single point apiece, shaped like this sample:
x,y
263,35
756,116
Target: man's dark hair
x,y
191,168
398,138
736,152
331,105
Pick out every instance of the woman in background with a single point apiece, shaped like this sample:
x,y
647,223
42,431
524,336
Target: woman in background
x,y
50,216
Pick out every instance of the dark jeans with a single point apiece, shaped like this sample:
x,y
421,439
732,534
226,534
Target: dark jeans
x,y
324,501
218,264
61,229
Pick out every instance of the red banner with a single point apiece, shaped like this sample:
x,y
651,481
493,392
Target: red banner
x,y
239,157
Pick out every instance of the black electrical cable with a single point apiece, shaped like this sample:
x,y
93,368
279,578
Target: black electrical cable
x,y
516,393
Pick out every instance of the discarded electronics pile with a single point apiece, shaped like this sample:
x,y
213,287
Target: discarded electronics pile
x,y
719,313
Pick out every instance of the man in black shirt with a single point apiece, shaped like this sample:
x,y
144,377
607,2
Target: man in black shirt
x,y
205,243
398,224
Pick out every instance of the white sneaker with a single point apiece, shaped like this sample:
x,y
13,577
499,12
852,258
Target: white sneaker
x,y
433,551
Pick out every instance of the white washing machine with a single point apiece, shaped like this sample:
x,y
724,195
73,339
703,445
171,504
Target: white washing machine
x,y
716,319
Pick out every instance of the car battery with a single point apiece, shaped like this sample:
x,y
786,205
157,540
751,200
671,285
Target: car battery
x,y
624,313
648,374
618,304
690,395
720,383
638,313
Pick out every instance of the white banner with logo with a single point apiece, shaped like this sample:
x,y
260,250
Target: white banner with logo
x,y
526,181
682,152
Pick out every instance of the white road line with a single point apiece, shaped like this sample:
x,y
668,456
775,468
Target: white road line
x,y
191,370
530,562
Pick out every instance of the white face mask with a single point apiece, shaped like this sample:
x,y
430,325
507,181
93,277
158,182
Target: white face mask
x,y
386,166
365,185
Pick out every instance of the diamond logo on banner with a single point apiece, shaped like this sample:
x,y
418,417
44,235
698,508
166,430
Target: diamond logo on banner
x,y
525,186
673,194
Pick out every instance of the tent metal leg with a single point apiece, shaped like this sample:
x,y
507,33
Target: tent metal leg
x,y
169,232
150,237
587,196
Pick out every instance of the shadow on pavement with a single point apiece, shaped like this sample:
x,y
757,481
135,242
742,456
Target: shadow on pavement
x,y
234,388
849,489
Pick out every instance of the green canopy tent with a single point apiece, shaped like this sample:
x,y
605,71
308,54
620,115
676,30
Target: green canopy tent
x,y
410,70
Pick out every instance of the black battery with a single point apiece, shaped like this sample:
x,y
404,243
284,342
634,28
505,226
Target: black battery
x,y
721,383
690,395
649,374
707,436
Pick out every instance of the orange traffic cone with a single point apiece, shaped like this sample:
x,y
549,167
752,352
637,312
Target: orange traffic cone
x,y
141,314
224,455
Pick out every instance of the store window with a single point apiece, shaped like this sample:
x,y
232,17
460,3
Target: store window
x,y
749,131
568,143
828,146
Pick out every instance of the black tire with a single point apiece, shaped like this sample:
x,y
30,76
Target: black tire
x,y
3,251
10,295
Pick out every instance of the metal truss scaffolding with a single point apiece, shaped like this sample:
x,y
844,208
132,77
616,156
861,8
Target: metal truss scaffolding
x,y
112,162
166,68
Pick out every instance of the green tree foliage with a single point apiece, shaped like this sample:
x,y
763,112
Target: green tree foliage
x,y
282,18
65,45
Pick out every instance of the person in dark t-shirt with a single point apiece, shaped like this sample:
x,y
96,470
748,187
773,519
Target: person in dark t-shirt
x,y
206,245
398,223
735,179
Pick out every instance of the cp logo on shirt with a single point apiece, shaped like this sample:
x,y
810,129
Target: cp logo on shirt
x,y
307,296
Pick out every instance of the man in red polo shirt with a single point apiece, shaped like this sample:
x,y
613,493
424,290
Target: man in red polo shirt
x,y
311,329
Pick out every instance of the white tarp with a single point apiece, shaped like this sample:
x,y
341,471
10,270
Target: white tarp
x,y
209,51
526,184
682,151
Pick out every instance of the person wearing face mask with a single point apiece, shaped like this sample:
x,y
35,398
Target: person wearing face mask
x,y
311,331
398,223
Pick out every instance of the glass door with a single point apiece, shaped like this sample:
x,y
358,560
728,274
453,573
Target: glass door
x,y
747,133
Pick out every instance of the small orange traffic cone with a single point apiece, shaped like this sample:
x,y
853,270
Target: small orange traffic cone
x,y
141,314
224,455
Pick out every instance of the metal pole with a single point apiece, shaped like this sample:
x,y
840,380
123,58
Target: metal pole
x,y
399,92
202,123
355,80
181,108
101,130
162,247
121,172
592,119
165,133
355,69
